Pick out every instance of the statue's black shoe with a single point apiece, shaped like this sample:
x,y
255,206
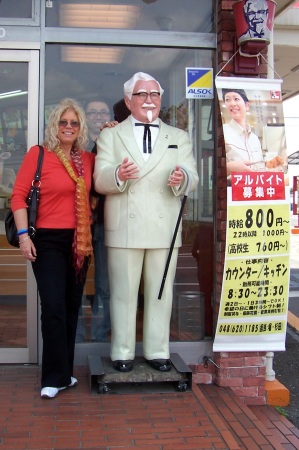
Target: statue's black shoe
x,y
125,365
164,365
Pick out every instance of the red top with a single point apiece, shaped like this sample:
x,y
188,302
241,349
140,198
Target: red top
x,y
57,189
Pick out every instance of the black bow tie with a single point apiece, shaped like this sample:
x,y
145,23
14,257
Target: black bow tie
x,y
147,132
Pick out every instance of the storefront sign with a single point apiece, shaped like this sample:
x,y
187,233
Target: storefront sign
x,y
255,288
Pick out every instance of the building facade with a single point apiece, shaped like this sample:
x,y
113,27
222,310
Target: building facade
x,y
86,50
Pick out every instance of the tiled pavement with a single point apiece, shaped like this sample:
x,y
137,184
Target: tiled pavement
x,y
208,417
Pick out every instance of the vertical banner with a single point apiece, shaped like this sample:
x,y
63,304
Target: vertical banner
x,y
255,288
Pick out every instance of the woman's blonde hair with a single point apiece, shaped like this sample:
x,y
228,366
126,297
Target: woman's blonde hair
x,y
67,104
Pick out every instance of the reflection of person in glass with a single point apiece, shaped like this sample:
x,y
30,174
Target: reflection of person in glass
x,y
256,14
97,113
242,146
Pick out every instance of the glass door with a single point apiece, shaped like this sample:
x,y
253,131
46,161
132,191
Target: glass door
x,y
19,84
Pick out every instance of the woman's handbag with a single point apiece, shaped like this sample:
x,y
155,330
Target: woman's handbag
x,y
32,202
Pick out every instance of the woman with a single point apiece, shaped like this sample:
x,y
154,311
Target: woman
x,y
242,146
61,248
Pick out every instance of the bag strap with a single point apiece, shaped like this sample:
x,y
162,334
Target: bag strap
x,y
39,164
33,196
36,180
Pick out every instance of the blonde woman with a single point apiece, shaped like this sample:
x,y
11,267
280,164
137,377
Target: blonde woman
x,y
61,248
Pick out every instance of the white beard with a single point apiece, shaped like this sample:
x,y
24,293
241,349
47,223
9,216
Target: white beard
x,y
149,115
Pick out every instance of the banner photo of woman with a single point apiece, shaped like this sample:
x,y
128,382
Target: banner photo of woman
x,y
255,287
253,126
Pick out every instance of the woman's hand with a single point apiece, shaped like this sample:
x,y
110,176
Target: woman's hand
x,y
26,245
27,248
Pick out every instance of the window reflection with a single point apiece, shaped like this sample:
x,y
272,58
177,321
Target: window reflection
x,y
100,86
13,146
16,9
160,15
86,79
13,118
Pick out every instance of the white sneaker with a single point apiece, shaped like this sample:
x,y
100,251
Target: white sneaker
x,y
73,382
50,392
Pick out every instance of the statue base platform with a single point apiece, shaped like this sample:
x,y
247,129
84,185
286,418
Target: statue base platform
x,y
143,378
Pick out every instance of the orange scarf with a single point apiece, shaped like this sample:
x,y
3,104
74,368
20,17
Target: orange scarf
x,y
82,243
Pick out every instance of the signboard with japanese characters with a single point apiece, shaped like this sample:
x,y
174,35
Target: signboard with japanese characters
x,y
255,288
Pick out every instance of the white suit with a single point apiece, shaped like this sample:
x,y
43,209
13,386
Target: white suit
x,y
140,217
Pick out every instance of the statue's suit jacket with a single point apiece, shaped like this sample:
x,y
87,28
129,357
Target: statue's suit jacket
x,y
142,213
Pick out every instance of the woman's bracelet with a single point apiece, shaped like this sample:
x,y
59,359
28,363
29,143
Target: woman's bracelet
x,y
24,240
22,231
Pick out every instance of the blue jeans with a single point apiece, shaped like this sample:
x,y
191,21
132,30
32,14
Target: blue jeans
x,y
100,323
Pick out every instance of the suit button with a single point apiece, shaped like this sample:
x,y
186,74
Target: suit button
x,y
161,191
161,215
132,214
132,190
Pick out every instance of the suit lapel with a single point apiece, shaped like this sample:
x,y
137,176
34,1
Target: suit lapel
x,y
127,136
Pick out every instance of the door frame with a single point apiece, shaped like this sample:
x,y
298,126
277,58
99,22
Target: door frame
x,y
28,355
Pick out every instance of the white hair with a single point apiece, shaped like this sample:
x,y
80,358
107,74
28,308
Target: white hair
x,y
130,84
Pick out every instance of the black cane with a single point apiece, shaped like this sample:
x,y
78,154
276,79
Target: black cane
x,y
175,232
